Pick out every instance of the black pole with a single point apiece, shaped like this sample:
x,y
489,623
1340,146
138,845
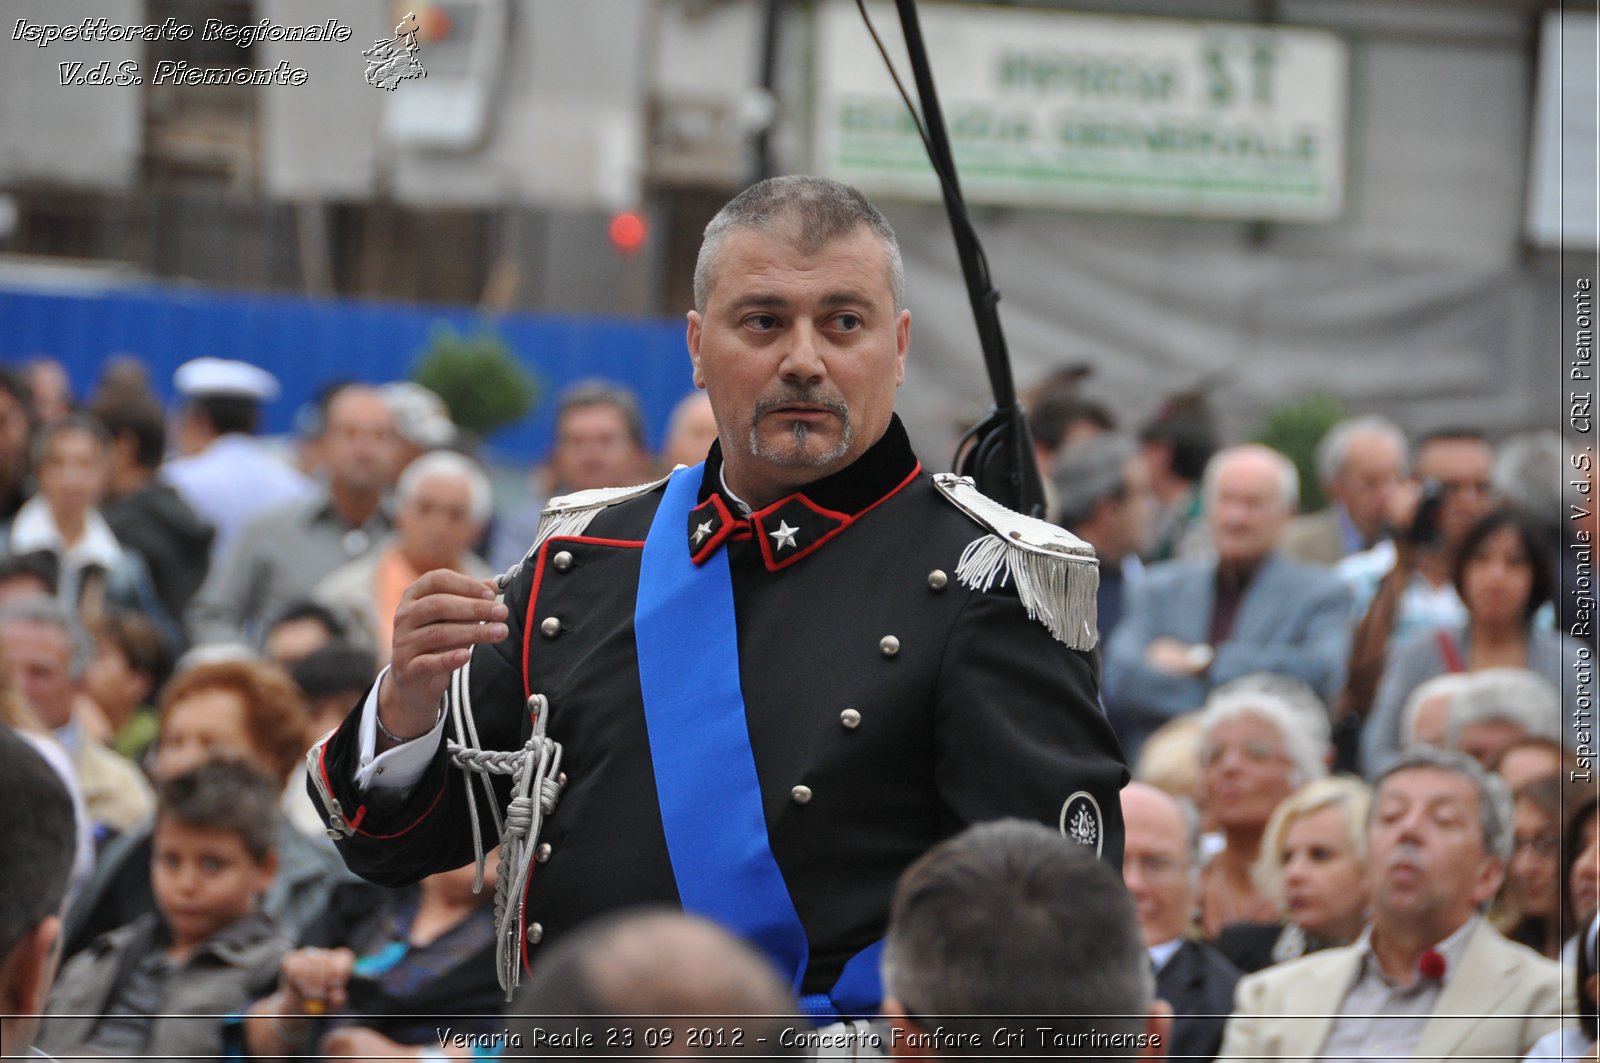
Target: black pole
x,y
772,18
984,298
1001,458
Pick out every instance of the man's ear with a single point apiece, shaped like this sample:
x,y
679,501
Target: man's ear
x,y
1158,1030
902,343
1491,875
27,972
894,1014
692,339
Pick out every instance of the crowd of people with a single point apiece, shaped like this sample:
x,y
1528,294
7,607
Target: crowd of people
x,y
1359,826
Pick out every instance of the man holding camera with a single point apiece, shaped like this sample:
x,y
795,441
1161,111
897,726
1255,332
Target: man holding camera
x,y
1402,585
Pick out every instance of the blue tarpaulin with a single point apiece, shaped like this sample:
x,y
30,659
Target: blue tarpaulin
x,y
308,343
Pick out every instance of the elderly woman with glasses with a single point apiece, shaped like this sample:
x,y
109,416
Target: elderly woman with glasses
x,y
1313,868
1261,737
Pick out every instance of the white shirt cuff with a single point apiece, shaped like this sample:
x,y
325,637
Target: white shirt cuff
x,y
401,767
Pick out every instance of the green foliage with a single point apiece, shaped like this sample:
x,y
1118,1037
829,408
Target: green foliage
x,y
484,386
1295,429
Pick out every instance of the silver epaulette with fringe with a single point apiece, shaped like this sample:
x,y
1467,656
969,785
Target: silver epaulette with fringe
x,y
572,514
1055,572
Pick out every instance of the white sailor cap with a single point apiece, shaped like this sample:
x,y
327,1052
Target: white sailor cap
x,y
205,377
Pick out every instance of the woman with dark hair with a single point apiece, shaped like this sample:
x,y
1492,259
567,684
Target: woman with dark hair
x,y
1580,868
1576,1043
1533,904
1504,576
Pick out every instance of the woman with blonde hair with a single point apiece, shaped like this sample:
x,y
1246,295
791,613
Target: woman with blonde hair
x,y
1313,868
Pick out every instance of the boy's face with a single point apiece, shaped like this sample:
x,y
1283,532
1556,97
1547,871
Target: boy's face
x,y
204,878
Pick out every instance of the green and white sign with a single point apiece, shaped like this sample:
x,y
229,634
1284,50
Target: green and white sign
x,y
1056,109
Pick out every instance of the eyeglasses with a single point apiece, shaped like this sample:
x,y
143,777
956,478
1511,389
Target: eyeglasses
x,y
1542,845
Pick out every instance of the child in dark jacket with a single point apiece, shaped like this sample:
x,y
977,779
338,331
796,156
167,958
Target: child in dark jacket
x,y
162,986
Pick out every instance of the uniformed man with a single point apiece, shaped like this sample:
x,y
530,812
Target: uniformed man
x,y
776,678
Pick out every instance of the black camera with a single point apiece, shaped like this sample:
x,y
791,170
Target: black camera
x,y
1424,530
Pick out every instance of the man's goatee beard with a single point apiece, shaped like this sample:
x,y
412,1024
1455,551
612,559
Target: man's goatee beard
x,y
794,455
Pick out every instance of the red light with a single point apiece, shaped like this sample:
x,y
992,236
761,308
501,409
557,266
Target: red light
x,y
434,23
628,232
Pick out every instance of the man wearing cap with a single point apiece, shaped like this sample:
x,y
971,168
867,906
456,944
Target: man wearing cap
x,y
224,473
777,677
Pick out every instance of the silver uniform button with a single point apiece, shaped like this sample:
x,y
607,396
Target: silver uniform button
x,y
542,854
850,719
889,645
535,933
800,794
550,627
937,580
562,561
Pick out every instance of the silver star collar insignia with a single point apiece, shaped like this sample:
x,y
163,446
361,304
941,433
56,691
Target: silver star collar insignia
x,y
701,531
784,536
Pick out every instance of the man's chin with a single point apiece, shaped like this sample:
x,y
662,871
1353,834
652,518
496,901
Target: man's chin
x,y
813,452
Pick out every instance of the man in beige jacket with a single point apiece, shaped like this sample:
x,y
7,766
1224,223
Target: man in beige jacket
x,y
1430,979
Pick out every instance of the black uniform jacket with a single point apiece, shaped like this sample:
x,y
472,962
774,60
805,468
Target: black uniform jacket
x,y
1198,982
979,714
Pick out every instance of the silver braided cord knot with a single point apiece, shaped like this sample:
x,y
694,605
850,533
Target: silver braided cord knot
x,y
519,817
535,769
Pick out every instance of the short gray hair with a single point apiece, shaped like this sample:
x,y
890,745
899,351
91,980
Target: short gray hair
x,y
1288,475
447,463
1292,708
1334,449
1494,799
1510,695
49,612
1450,685
811,211
1530,470
1088,472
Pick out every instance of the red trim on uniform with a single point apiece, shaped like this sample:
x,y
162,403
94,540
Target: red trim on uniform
x,y
592,540
901,486
533,593
362,811
354,822
845,520
728,525
322,761
764,540
527,622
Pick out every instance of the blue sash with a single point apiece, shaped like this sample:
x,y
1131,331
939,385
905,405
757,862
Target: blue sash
x,y
706,782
